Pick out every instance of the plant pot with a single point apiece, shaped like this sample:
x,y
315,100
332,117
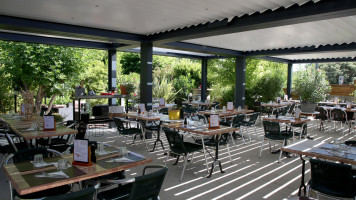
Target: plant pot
x,y
308,107
174,114
123,90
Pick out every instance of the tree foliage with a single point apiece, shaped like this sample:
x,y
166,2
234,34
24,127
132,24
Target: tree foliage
x,y
130,62
334,70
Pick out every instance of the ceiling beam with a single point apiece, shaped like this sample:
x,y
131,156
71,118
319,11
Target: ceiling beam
x,y
273,59
179,55
183,46
55,41
304,50
325,60
65,30
295,14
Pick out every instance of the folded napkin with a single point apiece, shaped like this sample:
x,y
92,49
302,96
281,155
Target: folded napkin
x,y
106,152
44,164
59,174
123,159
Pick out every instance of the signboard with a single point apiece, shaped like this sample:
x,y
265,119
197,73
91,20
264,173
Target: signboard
x,y
214,121
230,106
49,123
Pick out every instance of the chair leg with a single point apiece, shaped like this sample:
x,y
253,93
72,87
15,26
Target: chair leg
x,y
233,142
228,151
206,161
242,136
185,164
280,153
165,161
11,192
191,160
263,140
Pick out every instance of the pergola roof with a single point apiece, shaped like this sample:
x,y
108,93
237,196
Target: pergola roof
x,y
281,30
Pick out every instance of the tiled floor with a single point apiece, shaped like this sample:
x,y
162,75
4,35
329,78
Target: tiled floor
x,y
247,177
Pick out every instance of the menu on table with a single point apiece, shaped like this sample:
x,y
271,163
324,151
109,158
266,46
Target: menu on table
x,y
278,99
49,123
214,121
297,114
230,106
81,151
162,102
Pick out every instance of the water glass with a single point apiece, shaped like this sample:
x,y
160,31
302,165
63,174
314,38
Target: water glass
x,y
123,151
196,123
101,148
62,164
38,159
34,126
224,108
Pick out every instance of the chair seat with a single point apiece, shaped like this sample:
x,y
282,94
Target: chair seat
x,y
45,193
227,123
244,123
130,131
152,128
189,148
122,192
211,142
283,136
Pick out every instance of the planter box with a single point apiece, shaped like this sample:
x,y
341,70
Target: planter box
x,y
174,114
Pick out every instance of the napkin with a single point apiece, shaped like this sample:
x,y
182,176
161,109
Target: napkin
x,y
105,152
44,164
59,174
123,159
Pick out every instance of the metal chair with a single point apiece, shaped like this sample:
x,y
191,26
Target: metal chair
x,y
251,123
179,147
146,186
340,116
273,132
322,116
332,179
134,132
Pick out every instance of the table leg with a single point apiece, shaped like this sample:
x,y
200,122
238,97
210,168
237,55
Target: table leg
x,y
216,159
158,139
302,183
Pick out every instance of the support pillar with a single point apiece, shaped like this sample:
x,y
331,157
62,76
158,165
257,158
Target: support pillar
x,y
240,71
112,73
289,80
146,74
204,79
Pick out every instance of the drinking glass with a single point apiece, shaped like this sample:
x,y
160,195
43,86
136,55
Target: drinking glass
x,y
62,164
123,152
34,126
101,148
38,159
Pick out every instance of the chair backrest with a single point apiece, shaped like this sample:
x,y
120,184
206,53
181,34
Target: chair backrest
x,y
237,121
323,113
338,115
28,154
271,128
253,118
85,194
119,125
217,104
148,186
332,178
163,111
351,143
291,109
285,110
175,141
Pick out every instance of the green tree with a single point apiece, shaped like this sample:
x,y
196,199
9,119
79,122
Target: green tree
x,y
334,70
41,68
130,62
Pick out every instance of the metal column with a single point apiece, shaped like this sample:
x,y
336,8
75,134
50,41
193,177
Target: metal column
x,y
112,73
240,71
204,79
289,80
146,74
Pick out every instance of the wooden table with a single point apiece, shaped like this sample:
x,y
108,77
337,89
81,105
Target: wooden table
x,y
22,175
221,113
207,132
21,127
157,107
317,149
276,105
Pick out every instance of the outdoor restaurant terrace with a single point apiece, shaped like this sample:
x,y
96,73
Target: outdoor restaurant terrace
x,y
148,146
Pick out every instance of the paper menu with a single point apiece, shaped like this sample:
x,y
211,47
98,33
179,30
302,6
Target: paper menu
x,y
230,106
214,121
348,105
141,106
278,99
285,97
162,102
81,151
49,122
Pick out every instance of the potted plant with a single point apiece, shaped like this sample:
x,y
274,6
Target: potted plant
x,y
127,88
311,86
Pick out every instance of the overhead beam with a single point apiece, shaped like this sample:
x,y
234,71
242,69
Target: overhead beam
x,y
54,41
304,50
295,14
273,59
200,48
170,54
65,30
325,60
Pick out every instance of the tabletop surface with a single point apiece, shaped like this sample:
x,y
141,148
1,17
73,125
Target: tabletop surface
x,y
201,130
221,113
320,149
198,103
23,175
342,108
274,104
289,120
22,127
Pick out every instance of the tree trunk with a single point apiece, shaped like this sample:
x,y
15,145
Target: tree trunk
x,y
51,104
38,99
